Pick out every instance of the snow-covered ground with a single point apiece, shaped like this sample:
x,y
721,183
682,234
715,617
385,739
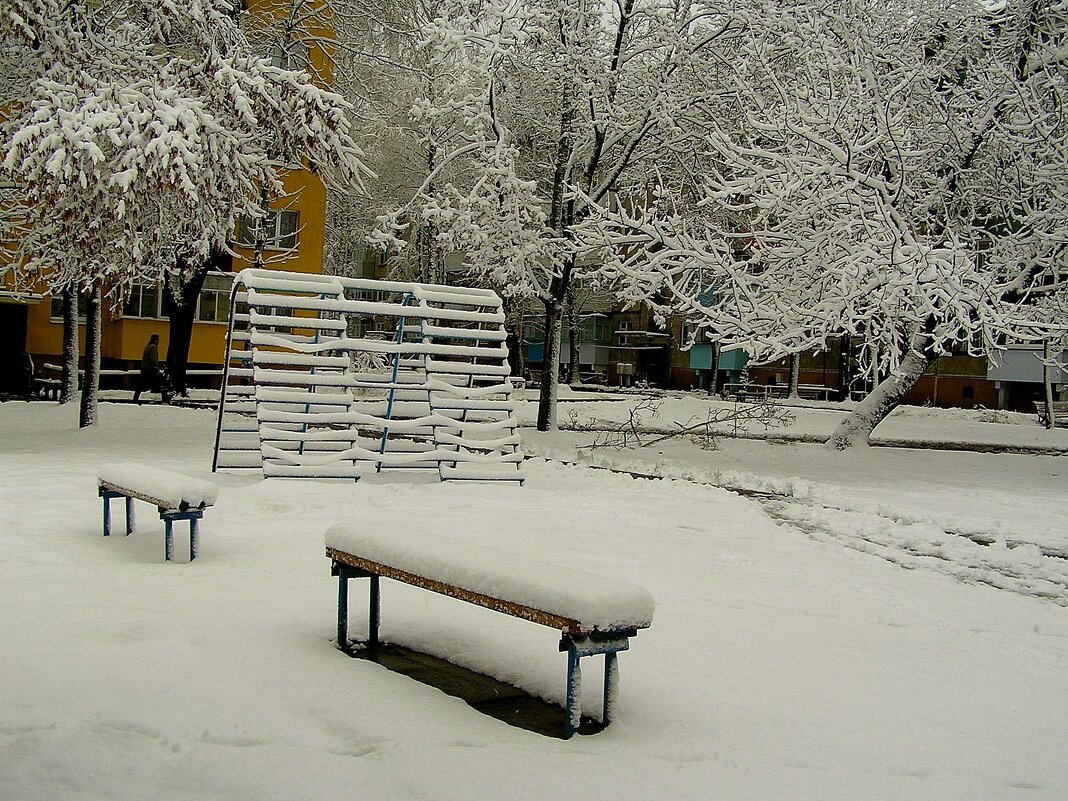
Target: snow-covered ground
x,y
791,656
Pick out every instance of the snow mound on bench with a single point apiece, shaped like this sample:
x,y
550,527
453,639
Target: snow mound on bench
x,y
595,601
174,489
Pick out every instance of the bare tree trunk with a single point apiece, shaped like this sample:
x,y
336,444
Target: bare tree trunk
x,y
521,342
550,367
1047,376
182,298
717,380
857,426
795,374
68,390
844,364
91,382
573,331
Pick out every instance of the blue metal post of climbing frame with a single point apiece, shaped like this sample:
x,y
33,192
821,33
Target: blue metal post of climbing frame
x,y
398,339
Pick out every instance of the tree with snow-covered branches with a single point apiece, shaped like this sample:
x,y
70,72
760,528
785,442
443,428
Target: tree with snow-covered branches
x,y
555,109
894,173
145,130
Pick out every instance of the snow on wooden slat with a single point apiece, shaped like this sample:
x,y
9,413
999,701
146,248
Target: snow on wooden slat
x,y
241,390
448,389
319,323
265,339
446,438
477,404
338,470
240,459
454,295
490,335
374,308
279,281
257,277
389,458
354,418
300,359
469,427
466,368
298,378
268,432
265,395
467,473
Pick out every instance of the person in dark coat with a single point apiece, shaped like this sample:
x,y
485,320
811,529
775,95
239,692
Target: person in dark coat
x,y
150,378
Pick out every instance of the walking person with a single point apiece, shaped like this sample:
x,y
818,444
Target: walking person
x,y
150,380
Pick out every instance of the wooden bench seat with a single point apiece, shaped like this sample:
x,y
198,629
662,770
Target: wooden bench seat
x,y
176,496
594,614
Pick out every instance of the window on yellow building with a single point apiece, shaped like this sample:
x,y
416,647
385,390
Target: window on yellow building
x,y
280,228
214,306
56,307
144,301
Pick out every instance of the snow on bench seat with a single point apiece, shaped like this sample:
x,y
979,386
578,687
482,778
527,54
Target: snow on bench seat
x,y
162,487
579,603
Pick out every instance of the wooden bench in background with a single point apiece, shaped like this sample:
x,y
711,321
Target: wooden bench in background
x,y
176,496
594,615
1060,412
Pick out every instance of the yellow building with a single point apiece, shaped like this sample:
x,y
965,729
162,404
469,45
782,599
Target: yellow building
x,y
31,322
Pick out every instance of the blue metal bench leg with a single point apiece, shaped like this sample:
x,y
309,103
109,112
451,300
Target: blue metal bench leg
x,y
611,685
607,643
573,707
194,532
344,573
168,542
374,612
107,495
342,611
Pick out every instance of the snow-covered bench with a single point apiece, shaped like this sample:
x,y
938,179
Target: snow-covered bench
x,y
177,496
1060,412
594,614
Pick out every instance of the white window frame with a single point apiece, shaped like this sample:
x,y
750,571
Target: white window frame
x,y
247,229
218,292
